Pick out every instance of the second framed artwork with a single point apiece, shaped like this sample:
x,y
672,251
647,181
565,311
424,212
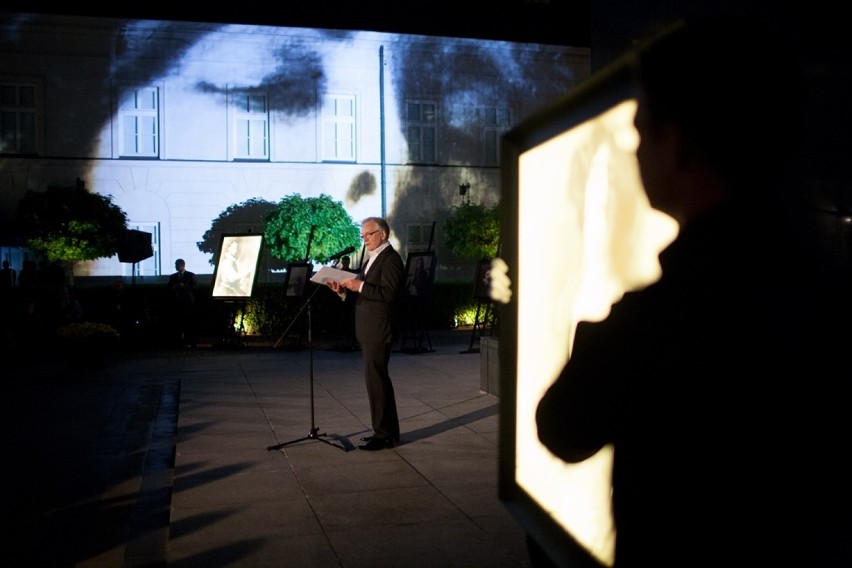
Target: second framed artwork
x,y
298,275
420,273
482,283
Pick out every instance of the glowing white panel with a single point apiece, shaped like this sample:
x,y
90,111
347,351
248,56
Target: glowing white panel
x,y
584,187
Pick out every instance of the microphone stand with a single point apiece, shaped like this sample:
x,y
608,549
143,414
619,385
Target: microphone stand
x,y
313,434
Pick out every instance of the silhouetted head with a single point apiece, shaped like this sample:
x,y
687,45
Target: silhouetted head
x,y
732,89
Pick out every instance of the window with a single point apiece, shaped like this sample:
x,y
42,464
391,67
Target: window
x,y
338,128
251,126
420,119
420,235
139,119
18,118
496,121
149,266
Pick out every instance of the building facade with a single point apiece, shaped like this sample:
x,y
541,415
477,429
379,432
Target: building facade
x,y
177,121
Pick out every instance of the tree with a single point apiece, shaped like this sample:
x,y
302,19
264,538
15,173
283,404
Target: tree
x,y
246,217
288,229
472,230
70,224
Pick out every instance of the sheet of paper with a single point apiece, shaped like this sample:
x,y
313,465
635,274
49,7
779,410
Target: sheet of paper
x,y
329,274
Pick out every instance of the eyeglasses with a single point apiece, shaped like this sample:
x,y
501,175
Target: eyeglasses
x,y
366,236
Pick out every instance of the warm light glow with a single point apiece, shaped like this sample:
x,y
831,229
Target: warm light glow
x,y
585,184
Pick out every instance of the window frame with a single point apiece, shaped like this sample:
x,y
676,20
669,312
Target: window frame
x,y
339,130
243,146
496,120
150,266
417,130
153,116
35,112
425,230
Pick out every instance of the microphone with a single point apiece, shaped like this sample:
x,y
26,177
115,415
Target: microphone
x,y
344,252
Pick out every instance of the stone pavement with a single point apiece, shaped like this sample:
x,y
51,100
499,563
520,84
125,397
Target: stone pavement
x,y
222,457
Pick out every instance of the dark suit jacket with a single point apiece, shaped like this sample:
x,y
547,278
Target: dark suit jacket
x,y
376,304
685,379
185,295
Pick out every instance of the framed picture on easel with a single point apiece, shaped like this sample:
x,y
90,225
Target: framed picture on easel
x,y
420,273
298,275
236,266
482,281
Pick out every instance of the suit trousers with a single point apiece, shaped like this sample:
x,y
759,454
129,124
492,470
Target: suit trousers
x,y
385,420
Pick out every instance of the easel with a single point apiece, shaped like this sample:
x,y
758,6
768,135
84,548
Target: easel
x,y
296,317
234,331
417,332
296,342
417,306
484,306
486,323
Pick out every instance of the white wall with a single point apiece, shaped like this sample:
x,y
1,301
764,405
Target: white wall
x,y
82,62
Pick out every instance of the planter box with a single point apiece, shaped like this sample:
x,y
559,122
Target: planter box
x,y
489,365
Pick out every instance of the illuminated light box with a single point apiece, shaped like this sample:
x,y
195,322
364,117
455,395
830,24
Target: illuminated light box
x,y
236,267
577,233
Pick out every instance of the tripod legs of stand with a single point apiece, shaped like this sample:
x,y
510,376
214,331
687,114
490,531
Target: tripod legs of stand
x,y
313,435
314,432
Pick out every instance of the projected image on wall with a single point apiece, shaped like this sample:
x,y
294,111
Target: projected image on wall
x,y
198,118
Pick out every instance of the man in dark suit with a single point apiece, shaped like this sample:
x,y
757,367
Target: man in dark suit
x,y
182,286
378,286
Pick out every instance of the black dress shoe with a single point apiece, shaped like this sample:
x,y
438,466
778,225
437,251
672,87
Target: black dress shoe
x,y
376,444
394,439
